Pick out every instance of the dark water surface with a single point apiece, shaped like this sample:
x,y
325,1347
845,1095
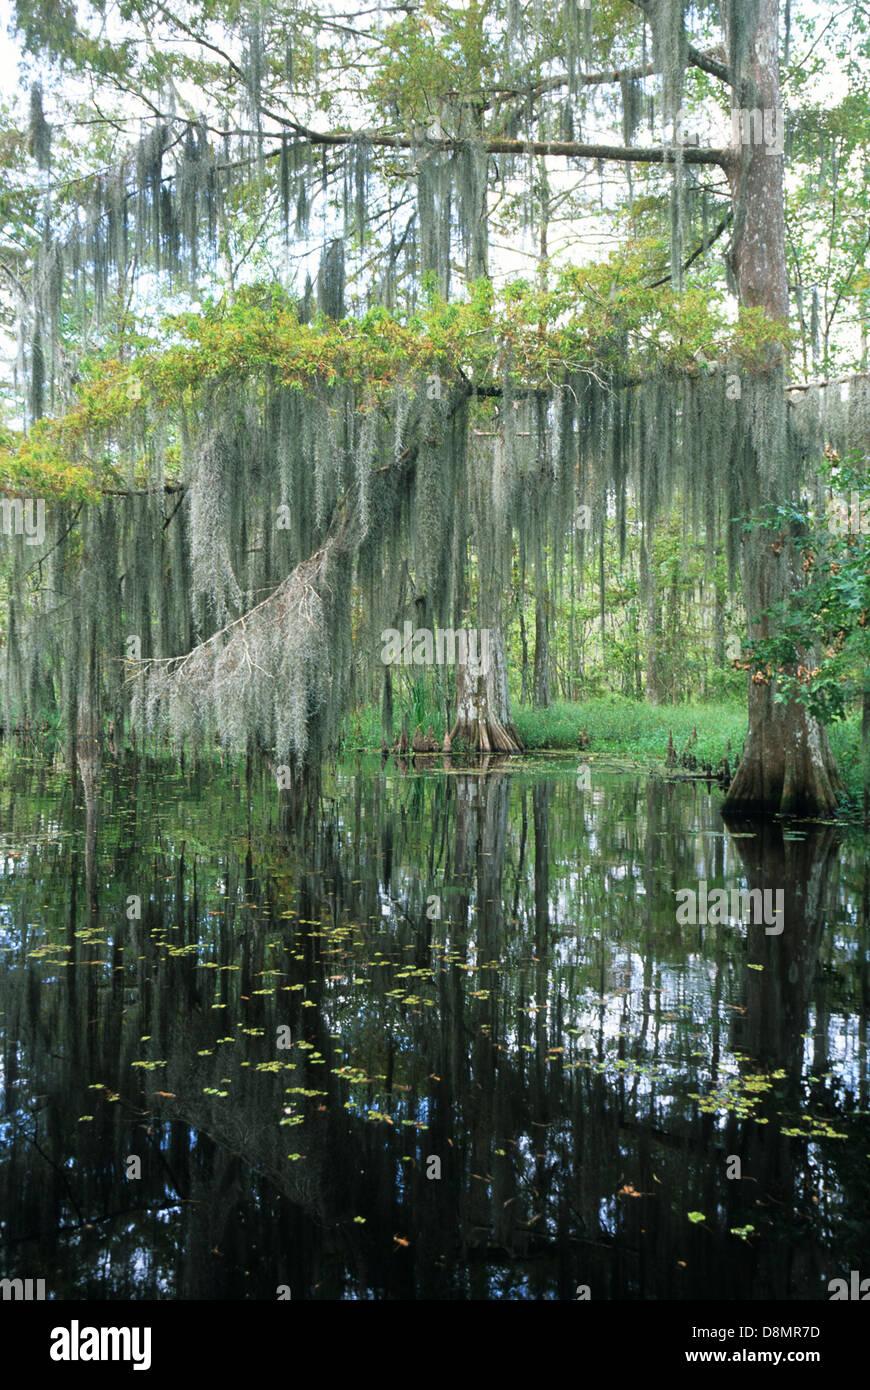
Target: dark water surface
x,y
481,972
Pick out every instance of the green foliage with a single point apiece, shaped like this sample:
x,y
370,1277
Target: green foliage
x,y
633,728
819,649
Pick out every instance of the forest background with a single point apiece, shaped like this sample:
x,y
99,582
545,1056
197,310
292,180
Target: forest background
x,y
433,312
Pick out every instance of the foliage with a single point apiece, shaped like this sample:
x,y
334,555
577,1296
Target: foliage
x,y
819,647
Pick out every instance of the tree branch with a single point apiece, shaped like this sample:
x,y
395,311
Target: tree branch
x,y
699,250
569,149
828,381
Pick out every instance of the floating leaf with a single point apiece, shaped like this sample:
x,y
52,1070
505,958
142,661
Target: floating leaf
x,y
744,1232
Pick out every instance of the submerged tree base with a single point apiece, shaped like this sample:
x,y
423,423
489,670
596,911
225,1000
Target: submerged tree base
x,y
483,721
487,736
787,766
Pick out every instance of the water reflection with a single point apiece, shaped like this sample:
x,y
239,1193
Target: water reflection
x,y
483,977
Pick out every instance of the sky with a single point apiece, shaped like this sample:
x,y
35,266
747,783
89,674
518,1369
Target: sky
x,y
9,57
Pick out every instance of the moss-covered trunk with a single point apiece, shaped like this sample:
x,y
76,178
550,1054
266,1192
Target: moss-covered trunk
x,y
787,766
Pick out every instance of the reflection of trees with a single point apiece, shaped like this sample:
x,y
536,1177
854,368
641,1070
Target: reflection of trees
x,y
778,996
778,999
557,912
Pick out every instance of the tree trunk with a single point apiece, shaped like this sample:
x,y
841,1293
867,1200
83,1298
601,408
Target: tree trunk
x,y
865,744
787,766
541,689
718,625
483,714
524,689
387,709
648,588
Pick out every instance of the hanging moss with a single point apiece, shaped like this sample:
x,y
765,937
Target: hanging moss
x,y
330,281
360,160
632,107
434,213
217,473
36,374
39,131
669,52
244,588
469,172
437,481
284,182
253,57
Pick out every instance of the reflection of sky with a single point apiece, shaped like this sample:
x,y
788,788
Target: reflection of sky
x,y
682,987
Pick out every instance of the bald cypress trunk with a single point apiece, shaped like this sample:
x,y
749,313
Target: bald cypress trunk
x,y
787,766
483,713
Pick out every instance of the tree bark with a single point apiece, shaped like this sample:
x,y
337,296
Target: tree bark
x,y
541,690
483,714
787,766
524,641
865,745
387,709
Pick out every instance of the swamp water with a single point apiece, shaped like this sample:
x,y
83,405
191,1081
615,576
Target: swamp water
x,y
436,1035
